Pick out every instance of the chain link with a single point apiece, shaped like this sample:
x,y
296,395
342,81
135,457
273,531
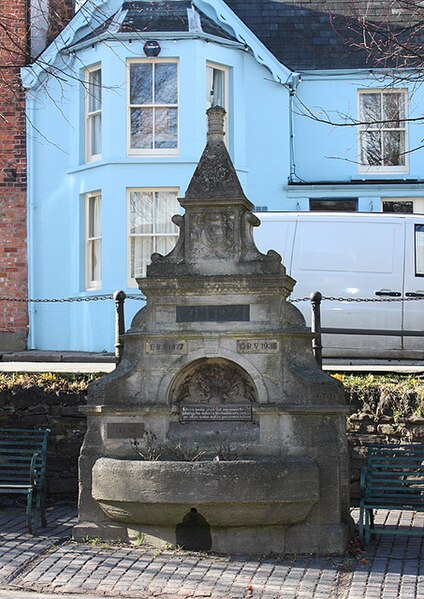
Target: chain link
x,y
139,297
89,298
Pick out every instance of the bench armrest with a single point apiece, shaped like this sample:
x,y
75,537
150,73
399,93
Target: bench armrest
x,y
33,470
363,480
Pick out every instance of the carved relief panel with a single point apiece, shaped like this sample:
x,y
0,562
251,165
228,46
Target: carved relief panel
x,y
214,389
212,237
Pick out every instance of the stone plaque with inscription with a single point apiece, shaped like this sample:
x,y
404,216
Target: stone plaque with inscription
x,y
258,346
124,430
166,346
229,313
215,413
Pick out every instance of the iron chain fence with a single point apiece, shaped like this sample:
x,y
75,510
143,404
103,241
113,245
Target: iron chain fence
x,y
142,298
358,299
119,297
88,298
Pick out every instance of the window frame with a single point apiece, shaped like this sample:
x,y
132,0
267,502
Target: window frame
x,y
417,203
89,115
91,284
226,70
333,201
131,281
388,169
418,228
151,151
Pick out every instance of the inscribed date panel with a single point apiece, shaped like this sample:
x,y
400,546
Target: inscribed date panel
x,y
215,413
166,346
258,346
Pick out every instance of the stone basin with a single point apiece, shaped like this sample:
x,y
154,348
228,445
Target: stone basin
x,y
265,492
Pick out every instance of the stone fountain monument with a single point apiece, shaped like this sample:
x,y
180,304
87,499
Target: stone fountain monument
x,y
218,370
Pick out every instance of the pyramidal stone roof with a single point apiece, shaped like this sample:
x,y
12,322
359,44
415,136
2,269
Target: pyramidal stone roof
x,y
215,177
216,231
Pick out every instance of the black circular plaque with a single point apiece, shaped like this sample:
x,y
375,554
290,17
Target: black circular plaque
x,y
151,48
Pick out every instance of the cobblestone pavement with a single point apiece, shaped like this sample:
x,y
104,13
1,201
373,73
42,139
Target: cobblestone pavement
x,y
391,568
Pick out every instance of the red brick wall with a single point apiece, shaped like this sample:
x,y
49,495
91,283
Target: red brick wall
x,y
13,248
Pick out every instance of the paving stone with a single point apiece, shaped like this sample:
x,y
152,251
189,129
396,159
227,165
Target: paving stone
x,y
393,567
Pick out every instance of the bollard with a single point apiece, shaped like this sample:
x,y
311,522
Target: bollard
x,y
119,297
316,298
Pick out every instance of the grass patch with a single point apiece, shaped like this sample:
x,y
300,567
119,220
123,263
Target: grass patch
x,y
392,395
47,382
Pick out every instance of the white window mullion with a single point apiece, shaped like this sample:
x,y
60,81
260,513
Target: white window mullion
x,y
153,111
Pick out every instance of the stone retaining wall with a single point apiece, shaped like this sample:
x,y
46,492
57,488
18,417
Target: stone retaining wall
x,y
364,428
29,407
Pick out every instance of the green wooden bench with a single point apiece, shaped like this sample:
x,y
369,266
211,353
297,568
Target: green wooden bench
x,y
23,469
394,480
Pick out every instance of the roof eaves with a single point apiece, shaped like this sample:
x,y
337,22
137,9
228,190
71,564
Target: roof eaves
x,y
148,35
85,16
379,72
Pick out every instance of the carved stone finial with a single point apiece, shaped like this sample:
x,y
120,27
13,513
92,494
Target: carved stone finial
x,y
216,116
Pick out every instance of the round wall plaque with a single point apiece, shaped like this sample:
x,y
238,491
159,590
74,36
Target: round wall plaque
x,y
151,48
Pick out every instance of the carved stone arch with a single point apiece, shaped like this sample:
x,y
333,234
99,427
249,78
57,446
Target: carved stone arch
x,y
213,381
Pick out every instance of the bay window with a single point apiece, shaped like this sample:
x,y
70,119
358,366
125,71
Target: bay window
x,y
150,228
382,131
153,106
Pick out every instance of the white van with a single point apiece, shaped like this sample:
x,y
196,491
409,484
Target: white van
x,y
351,256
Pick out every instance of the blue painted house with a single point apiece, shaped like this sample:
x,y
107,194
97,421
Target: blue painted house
x,y
116,110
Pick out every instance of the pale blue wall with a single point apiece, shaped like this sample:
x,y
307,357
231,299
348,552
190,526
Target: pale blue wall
x,y
325,152
59,180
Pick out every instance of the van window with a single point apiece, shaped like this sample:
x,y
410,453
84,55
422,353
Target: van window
x,y
419,250
335,247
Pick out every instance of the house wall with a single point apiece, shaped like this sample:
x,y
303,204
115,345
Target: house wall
x,y
283,158
325,115
13,249
258,144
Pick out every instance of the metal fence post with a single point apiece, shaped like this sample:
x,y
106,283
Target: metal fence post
x,y
316,298
119,297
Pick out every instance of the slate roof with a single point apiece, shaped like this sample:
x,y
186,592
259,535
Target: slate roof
x,y
323,34
167,16
302,34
